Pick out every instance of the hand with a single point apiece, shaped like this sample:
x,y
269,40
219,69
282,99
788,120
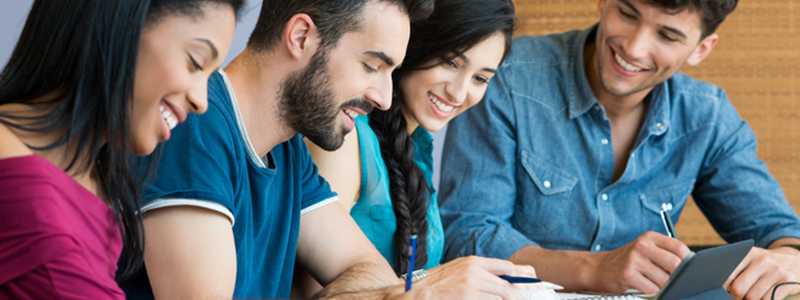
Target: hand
x,y
644,264
471,278
761,270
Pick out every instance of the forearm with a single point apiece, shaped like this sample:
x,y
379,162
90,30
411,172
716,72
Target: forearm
x,y
574,270
366,280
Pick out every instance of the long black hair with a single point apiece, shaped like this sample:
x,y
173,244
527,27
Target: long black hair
x,y
454,27
74,64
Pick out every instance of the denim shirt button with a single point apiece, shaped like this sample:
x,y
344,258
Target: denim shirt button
x,y
547,184
604,141
604,196
597,247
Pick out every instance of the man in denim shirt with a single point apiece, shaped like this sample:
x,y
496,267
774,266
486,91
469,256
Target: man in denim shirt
x,y
584,137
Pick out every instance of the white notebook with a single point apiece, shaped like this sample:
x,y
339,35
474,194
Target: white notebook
x,y
631,296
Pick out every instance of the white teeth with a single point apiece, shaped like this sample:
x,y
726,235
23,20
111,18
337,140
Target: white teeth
x,y
625,65
441,105
168,117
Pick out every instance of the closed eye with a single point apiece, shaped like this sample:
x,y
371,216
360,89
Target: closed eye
x,y
368,68
482,79
194,66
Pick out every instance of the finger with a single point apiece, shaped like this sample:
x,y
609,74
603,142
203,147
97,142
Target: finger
x,y
672,245
655,274
493,265
745,281
524,270
783,291
493,285
640,282
662,258
741,267
762,288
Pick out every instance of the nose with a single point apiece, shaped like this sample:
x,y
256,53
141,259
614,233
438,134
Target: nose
x,y
381,96
457,89
637,45
198,96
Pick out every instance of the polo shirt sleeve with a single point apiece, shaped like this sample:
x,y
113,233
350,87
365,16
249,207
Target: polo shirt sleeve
x,y
316,191
196,167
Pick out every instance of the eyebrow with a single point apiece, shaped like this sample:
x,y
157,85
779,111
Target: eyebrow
x,y
466,60
630,6
673,30
214,51
382,56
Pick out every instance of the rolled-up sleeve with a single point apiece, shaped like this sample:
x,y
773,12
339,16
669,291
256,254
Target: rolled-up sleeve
x,y
478,179
735,189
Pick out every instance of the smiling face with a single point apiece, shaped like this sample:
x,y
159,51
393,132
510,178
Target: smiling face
x,y
435,95
350,79
640,45
176,57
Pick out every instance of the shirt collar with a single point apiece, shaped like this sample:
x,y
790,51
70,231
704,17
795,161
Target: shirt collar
x,y
581,96
422,138
660,110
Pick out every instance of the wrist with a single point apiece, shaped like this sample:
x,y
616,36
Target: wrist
x,y
589,269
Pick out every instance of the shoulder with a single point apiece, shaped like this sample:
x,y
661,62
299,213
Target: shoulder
x,y
700,104
341,168
542,49
10,144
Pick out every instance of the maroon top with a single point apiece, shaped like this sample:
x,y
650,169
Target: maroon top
x,y
57,240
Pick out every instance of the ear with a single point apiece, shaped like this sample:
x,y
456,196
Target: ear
x,y
300,36
703,50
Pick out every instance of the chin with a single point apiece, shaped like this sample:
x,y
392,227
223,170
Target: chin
x,y
143,148
433,126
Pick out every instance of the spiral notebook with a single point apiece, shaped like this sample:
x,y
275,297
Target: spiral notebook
x,y
699,276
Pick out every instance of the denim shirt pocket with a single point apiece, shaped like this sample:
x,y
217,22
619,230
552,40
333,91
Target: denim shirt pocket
x,y
549,179
672,198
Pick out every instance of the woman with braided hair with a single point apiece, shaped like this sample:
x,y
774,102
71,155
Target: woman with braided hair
x,y
383,174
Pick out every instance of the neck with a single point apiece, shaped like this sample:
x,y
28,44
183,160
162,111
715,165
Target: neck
x,y
60,156
411,122
256,86
616,106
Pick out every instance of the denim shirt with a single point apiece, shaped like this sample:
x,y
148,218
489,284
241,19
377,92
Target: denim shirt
x,y
533,163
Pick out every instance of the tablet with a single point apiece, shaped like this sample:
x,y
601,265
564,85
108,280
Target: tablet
x,y
705,272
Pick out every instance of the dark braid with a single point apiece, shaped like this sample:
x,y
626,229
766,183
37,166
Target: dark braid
x,y
454,27
410,191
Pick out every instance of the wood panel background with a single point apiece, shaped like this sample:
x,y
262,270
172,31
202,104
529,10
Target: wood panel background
x,y
756,62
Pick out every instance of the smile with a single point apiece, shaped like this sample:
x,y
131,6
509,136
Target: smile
x,y
168,116
629,67
443,107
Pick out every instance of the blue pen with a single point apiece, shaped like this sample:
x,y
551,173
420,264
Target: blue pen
x,y
410,277
520,279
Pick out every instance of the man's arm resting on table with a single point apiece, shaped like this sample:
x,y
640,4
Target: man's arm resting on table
x,y
570,269
338,255
190,253
644,264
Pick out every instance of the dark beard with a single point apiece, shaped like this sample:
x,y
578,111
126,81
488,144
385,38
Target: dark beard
x,y
307,104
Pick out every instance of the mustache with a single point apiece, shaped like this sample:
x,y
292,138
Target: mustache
x,y
359,104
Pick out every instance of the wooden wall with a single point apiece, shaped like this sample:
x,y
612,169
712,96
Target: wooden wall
x,y
756,62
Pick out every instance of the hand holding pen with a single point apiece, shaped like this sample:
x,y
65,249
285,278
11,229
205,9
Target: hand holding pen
x,y
473,278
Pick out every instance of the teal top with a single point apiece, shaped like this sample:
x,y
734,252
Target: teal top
x,y
373,210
